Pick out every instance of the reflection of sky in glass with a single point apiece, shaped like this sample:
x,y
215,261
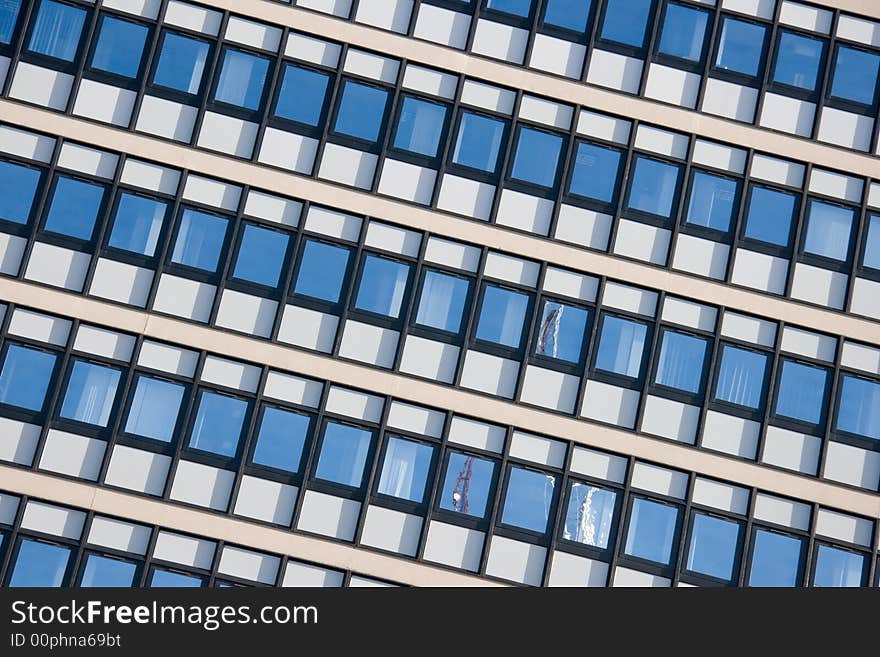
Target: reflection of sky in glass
x,y
589,515
528,500
467,484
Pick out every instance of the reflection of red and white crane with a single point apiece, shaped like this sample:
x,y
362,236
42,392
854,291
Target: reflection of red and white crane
x,y
463,486
550,330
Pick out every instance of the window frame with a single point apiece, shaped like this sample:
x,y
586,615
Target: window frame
x,y
576,547
47,539
743,79
247,285
47,61
431,481
494,348
826,262
270,472
479,523
41,196
566,195
24,414
643,216
247,114
205,456
314,483
798,211
817,543
491,177
694,66
842,435
684,396
313,303
702,579
154,444
732,408
208,73
8,49
517,532
739,205
132,257
419,159
85,428
639,51
290,125
613,378
378,319
746,566
790,423
641,563
69,241
526,186
578,367
106,553
811,95
433,333
551,29
115,79
188,271
332,136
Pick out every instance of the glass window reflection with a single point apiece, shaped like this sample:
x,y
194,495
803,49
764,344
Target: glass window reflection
x,y
651,532
529,499
467,484
589,515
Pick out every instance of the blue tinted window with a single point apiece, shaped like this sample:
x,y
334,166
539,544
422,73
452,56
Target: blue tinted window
x,y
561,332
18,189
383,286
120,47
595,172
801,393
651,530
589,515
441,304
242,79
684,30
775,560
104,572
405,469
478,142
859,411
137,224
90,394
740,47
361,111
57,30
570,14
514,7
871,256
302,95
680,365
770,215
9,10
712,550
855,75
741,376
528,499
626,21
282,439
25,377
420,126
502,316
218,424
537,157
828,230
322,271
167,579
74,208
154,408
654,185
797,60
621,346
467,484
261,255
39,565
343,454
199,240
712,201
838,568
181,63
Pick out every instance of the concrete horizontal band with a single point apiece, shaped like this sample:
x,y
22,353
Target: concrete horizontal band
x,y
434,395
475,232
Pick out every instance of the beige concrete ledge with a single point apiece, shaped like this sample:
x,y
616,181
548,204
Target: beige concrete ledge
x,y
466,230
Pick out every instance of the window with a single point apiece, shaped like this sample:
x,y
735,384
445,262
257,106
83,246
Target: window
x,y
103,572
39,564
561,332
595,172
181,63
502,316
590,515
343,456
838,568
681,361
302,95
467,484
56,30
859,410
801,392
168,579
361,111
855,75
74,208
651,532
713,201
120,47
713,546
138,224
621,345
154,408
478,142
8,18
242,78
828,230
741,47
770,216
798,59
741,377
653,187
90,394
199,242
405,469
420,126
18,189
441,304
528,500
684,32
322,271
536,159
282,439
25,377
776,559
514,7
383,286
568,14
261,255
218,424
626,21
871,256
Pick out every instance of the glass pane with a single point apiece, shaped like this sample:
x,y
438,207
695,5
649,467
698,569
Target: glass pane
x,y
90,394
302,95
770,216
405,469
776,560
590,515
261,255
654,185
9,10
282,439
218,424
855,75
57,30
103,572
684,30
478,142
828,230
420,126
138,224
154,408
621,346
74,208
322,271
18,188
681,361
199,240
242,79
626,21
741,376
859,410
838,568
167,579
712,550
871,257
595,172
651,531
740,47
467,484
570,14
502,316
561,332
797,60
181,63
712,201
361,111
528,500
383,286
39,565
514,7
25,377
801,392
343,454
537,157
120,47
441,305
